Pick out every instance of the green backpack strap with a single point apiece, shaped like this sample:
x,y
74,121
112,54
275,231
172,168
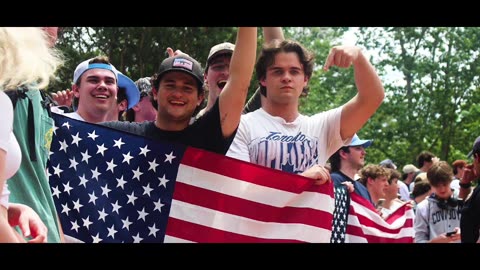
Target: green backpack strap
x,y
14,95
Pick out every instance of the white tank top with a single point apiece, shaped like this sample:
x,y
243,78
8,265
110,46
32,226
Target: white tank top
x,y
8,144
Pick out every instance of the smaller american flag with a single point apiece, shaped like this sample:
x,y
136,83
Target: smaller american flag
x,y
356,221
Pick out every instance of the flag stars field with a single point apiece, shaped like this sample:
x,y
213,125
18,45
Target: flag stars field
x,y
118,143
101,149
169,157
76,139
92,197
102,214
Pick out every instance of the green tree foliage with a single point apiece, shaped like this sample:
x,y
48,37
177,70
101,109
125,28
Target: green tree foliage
x,y
433,105
135,51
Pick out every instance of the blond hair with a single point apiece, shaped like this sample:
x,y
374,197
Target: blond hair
x,y
373,171
26,57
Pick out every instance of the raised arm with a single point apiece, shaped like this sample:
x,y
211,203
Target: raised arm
x,y
370,94
232,98
269,34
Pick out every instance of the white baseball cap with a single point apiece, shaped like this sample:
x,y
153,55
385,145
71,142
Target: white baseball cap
x,y
131,90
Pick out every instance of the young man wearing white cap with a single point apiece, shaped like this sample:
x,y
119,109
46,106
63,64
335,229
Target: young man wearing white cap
x,y
347,161
409,173
96,86
217,67
216,72
178,89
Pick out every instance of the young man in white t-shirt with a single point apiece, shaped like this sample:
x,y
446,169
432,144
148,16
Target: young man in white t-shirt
x,y
278,136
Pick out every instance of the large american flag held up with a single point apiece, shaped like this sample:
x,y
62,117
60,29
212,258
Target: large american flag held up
x,y
111,186
356,221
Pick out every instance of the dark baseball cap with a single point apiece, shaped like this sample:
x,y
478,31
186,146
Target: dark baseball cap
x,y
183,63
475,148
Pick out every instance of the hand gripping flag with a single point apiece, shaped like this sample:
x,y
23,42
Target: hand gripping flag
x,y
112,186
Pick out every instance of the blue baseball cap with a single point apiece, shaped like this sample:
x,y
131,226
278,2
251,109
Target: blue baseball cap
x,y
131,90
357,142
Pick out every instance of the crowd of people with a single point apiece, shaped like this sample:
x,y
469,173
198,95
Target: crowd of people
x,y
268,130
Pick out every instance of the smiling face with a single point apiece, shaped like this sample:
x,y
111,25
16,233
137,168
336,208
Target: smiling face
x,y
285,79
177,97
217,74
97,92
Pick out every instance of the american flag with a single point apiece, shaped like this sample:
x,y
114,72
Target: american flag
x,y
111,186
356,221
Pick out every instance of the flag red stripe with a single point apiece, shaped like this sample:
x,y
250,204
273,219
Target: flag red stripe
x,y
370,223
367,220
250,172
399,213
203,234
375,239
357,231
250,209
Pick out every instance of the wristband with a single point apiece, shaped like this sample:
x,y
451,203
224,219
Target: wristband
x,y
465,185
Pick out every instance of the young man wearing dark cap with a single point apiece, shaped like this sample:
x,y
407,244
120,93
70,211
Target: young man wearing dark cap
x,y
470,218
178,89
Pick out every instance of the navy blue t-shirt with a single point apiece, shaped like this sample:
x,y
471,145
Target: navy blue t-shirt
x,y
338,178
205,133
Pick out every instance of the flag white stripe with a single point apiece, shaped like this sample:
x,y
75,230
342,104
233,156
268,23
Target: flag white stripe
x,y
404,232
355,239
245,226
253,192
172,239
367,213
399,223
